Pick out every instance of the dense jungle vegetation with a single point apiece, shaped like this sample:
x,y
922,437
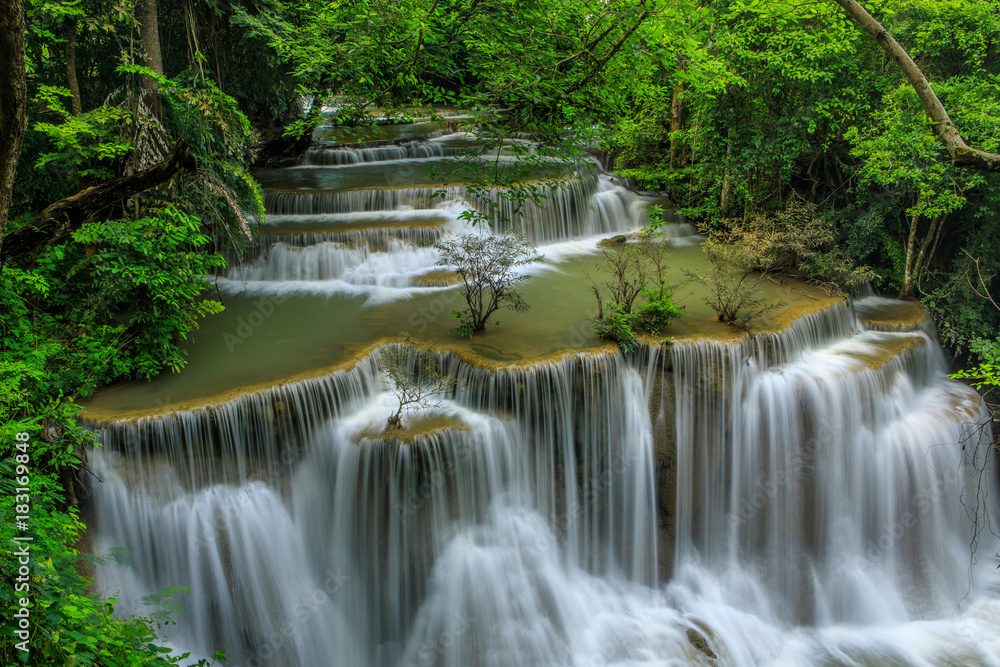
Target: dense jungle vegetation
x,y
128,132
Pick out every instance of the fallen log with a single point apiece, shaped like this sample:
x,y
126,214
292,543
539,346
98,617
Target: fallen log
x,y
65,216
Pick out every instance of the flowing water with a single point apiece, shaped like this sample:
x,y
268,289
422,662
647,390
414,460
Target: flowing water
x,y
807,495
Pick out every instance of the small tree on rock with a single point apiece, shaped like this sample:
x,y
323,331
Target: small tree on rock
x,y
631,272
732,285
415,376
486,264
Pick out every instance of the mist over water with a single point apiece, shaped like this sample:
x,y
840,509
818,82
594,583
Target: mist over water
x,y
806,497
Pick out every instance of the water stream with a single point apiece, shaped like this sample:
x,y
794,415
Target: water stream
x,y
807,495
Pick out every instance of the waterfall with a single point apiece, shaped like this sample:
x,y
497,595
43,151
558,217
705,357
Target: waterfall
x,y
833,487
581,208
338,156
796,496
346,201
352,263
351,233
386,513
816,478
576,208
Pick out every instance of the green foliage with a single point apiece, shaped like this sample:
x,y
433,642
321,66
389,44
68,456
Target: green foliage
x,y
659,309
908,174
464,326
85,146
44,24
960,302
631,272
657,176
488,267
222,193
64,153
801,104
151,266
986,375
732,285
654,214
118,307
617,326
796,238
789,84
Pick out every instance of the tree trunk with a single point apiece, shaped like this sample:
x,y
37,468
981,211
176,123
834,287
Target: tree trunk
x,y
13,100
911,245
74,85
924,257
727,191
149,31
63,217
961,154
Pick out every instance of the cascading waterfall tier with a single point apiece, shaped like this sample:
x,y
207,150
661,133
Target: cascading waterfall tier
x,y
813,478
576,208
348,201
330,246
877,313
406,151
824,475
374,238
373,257
325,220
549,443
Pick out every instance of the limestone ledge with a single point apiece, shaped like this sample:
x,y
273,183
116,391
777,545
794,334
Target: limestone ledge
x,y
684,330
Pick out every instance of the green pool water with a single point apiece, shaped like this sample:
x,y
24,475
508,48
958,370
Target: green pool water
x,y
275,337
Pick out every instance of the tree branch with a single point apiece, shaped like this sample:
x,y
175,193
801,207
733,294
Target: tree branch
x,y
962,155
63,217
611,54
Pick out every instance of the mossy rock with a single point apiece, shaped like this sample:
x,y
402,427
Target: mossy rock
x,y
621,239
700,643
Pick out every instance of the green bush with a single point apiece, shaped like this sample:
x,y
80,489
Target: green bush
x,y
659,310
617,326
640,300
115,302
